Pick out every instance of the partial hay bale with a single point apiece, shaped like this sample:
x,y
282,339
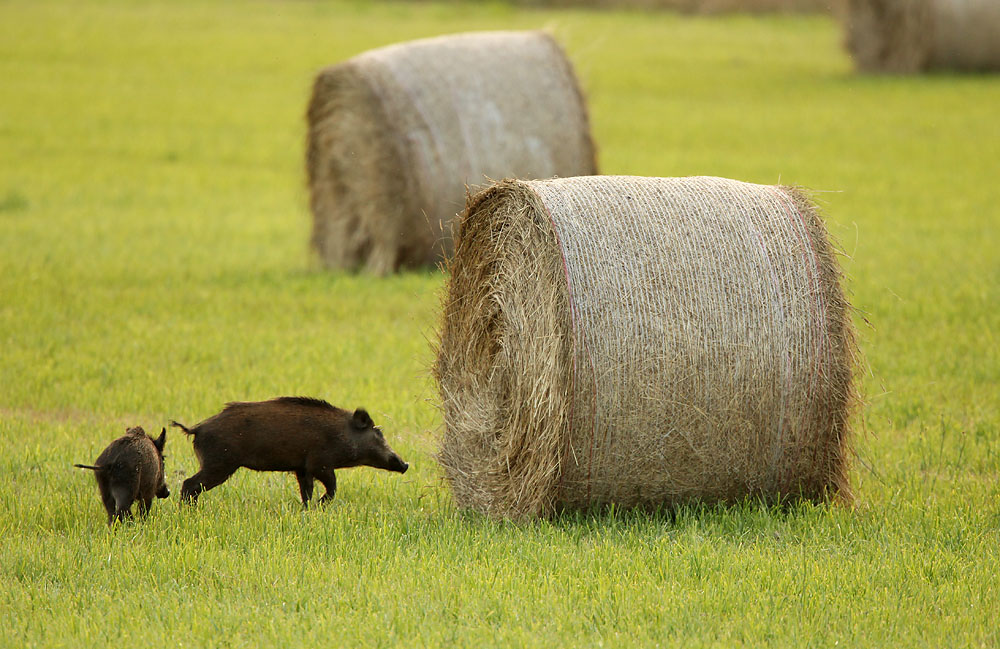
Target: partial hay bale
x,y
905,36
397,133
644,342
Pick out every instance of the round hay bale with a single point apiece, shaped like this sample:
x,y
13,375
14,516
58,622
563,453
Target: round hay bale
x,y
644,342
905,36
398,133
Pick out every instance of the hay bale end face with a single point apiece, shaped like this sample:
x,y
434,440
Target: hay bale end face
x,y
397,135
644,342
907,36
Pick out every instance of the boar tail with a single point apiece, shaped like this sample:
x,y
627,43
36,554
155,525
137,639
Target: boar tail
x,y
87,466
177,424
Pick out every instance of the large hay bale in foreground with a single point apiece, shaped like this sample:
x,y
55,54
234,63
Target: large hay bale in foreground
x,y
902,36
397,133
643,341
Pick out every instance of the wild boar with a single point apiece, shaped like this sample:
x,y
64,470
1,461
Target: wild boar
x,y
130,469
306,436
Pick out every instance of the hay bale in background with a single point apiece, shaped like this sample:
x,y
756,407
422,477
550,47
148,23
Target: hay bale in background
x,y
396,134
903,36
643,341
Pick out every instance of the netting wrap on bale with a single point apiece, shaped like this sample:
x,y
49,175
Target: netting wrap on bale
x,y
644,342
396,134
902,36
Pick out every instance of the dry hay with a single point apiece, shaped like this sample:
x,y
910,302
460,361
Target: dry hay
x,y
397,133
644,342
902,36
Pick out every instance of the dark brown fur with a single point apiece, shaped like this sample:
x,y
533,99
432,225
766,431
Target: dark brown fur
x,y
130,470
306,436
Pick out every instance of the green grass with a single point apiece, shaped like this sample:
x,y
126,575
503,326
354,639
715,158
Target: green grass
x,y
153,265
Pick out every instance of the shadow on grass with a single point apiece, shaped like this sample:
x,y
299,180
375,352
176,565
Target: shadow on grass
x,y
748,519
783,509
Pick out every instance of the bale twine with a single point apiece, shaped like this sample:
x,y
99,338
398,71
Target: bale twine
x,y
644,342
903,36
398,133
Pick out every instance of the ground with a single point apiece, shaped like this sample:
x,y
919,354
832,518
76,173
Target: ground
x,y
154,265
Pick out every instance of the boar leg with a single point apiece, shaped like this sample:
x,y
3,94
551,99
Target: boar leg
x,y
123,498
203,481
305,486
144,505
109,502
329,480
120,516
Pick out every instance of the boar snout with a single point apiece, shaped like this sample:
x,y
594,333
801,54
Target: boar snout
x,y
163,492
396,463
390,462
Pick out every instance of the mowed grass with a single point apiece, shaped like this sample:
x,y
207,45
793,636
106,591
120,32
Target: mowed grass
x,y
154,265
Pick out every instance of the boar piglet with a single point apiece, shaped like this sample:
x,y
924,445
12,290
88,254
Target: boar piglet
x,y
130,470
306,436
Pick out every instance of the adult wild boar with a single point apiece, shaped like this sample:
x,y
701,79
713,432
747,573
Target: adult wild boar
x,y
306,436
130,469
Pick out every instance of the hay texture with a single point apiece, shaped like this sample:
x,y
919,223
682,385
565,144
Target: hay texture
x,y
644,342
397,134
906,36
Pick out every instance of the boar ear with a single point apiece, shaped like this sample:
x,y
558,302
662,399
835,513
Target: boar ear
x,y
361,420
161,441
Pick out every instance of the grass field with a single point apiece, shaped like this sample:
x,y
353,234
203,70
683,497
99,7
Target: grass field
x,y
154,265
